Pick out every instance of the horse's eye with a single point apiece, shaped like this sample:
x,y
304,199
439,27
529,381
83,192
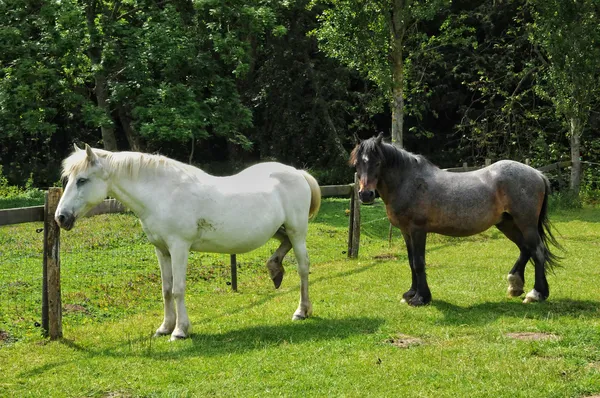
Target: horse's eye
x,y
81,181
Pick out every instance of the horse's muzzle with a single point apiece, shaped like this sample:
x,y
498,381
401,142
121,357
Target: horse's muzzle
x,y
65,220
367,196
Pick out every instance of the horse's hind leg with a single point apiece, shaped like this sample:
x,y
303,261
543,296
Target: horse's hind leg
x,y
298,240
275,262
516,276
538,250
533,247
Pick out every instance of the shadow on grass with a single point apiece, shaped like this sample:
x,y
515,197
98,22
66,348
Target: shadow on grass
x,y
483,313
295,289
218,344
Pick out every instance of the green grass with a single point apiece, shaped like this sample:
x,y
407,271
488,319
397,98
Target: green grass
x,y
245,344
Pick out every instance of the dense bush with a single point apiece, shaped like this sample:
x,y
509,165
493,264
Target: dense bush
x,y
14,196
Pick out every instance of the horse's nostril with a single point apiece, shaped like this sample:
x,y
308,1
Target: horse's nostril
x,y
61,218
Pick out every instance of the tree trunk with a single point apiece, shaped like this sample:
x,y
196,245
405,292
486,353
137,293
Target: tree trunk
x,y
133,138
398,25
575,130
95,53
109,138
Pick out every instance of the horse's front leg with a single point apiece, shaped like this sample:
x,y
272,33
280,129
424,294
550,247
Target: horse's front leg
x,y
166,274
423,294
179,259
408,295
305,307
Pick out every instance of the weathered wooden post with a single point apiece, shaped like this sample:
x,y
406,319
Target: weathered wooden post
x,y
354,221
233,272
51,299
488,162
527,162
465,166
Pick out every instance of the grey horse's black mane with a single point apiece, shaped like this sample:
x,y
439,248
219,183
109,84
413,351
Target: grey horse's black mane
x,y
388,154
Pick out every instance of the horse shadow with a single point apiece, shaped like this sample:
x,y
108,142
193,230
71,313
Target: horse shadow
x,y
488,312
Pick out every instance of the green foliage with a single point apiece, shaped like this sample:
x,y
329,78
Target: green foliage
x,y
358,33
14,196
565,200
568,35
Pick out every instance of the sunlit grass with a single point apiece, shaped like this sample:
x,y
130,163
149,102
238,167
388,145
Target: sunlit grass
x,y
245,344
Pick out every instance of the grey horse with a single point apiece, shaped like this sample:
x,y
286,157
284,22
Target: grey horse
x,y
420,198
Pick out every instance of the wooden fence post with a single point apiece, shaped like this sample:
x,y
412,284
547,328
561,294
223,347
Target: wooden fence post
x,y
51,299
233,272
465,166
354,221
488,162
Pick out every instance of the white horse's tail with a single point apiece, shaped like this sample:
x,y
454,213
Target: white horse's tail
x,y
315,194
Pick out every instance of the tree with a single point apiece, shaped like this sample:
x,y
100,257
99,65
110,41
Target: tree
x,y
370,36
567,37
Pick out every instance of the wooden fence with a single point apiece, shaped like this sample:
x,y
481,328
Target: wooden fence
x,y
51,291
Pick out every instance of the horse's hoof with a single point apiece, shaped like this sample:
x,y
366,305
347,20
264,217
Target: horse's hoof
x,y
301,314
159,334
277,280
532,297
418,301
515,285
515,293
175,337
407,296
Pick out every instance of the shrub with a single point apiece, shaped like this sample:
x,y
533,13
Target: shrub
x,y
14,196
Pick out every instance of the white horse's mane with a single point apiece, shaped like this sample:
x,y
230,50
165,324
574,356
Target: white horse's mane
x,y
125,163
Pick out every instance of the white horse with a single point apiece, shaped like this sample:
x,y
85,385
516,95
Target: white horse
x,y
182,208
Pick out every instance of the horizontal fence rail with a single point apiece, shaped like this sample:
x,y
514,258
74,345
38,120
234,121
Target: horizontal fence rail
x,y
36,213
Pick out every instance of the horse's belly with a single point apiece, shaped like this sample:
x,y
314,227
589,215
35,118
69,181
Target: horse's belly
x,y
241,233
229,244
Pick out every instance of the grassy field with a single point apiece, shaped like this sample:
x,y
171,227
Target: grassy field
x,y
472,341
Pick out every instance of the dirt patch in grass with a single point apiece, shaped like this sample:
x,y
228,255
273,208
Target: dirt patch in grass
x,y
385,256
4,336
74,308
532,336
404,341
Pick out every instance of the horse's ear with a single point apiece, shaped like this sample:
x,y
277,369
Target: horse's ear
x,y
76,148
379,138
91,156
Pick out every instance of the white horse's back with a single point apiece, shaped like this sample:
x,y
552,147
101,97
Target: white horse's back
x,y
240,213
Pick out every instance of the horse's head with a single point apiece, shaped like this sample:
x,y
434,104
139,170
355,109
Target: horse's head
x,y
87,185
367,157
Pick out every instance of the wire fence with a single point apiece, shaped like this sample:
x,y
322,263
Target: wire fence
x,y
21,248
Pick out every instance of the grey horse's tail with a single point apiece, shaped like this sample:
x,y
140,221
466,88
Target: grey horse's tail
x,y
545,231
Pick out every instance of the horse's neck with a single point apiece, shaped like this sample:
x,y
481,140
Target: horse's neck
x,y
402,177
143,192
131,193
